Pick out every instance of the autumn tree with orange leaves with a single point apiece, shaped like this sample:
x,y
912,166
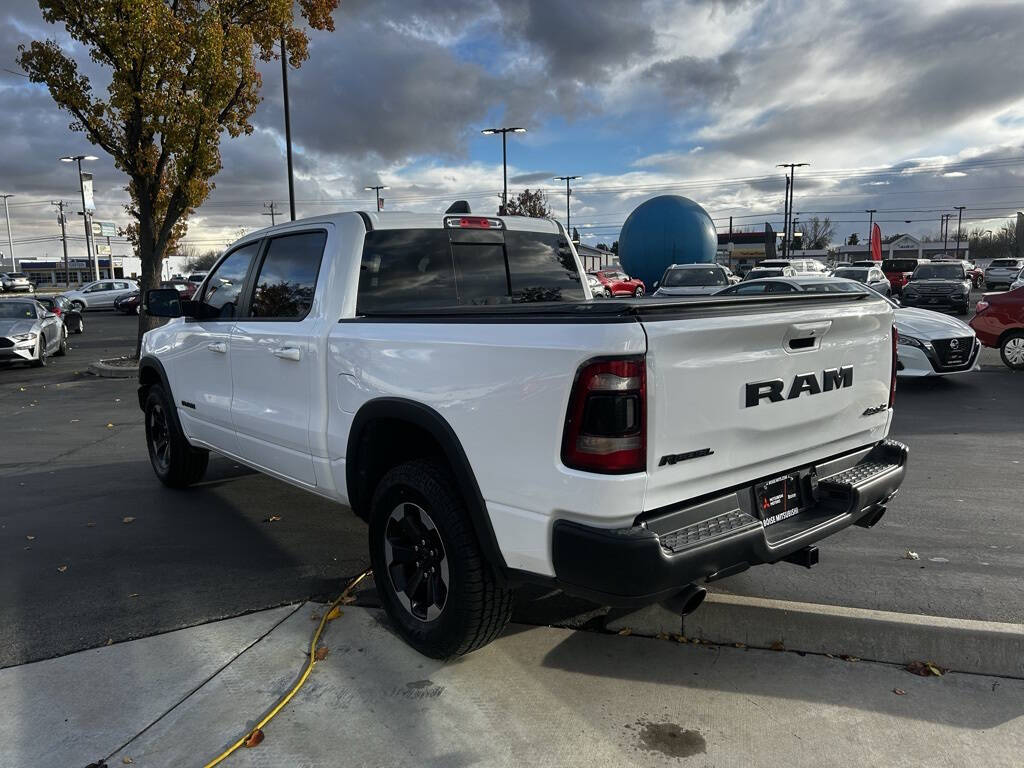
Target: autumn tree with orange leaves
x,y
181,73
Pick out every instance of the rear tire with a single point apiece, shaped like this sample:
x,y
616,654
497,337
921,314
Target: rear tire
x,y
176,463
431,576
77,306
639,291
1011,350
80,328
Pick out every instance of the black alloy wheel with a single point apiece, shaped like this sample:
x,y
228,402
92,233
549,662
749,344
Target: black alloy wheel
x,y
416,561
159,434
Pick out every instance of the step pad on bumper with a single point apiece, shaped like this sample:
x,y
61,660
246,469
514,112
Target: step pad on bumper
x,y
706,530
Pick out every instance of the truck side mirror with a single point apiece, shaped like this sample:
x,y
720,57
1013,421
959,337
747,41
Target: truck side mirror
x,y
163,302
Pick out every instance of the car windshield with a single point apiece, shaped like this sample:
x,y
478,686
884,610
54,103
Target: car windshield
x,y
17,310
939,272
754,273
774,263
695,276
899,265
15,274
1004,263
853,274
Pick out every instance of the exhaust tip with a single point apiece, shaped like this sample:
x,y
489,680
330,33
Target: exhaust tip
x,y
689,599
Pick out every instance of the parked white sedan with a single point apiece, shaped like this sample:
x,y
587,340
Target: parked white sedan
x,y
100,294
934,344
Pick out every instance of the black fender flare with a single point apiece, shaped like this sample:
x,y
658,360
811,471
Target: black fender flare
x,y
434,424
148,363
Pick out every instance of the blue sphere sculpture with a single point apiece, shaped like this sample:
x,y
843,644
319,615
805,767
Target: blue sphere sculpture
x,y
665,230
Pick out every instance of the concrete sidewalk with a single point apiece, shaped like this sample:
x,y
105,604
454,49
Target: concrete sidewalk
x,y
537,696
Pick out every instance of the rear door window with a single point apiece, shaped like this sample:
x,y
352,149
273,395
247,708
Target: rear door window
x,y
407,269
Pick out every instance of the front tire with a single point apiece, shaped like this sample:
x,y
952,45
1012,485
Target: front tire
x,y
62,350
40,358
639,291
176,463
431,576
1012,351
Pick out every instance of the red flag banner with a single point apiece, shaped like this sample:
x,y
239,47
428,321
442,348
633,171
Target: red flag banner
x,y
876,243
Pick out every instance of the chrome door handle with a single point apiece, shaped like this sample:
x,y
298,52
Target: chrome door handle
x,y
286,353
217,346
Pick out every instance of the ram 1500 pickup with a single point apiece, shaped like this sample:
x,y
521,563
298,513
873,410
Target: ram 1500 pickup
x,y
449,379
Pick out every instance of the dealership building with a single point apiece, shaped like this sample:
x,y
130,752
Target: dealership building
x,y
51,271
905,247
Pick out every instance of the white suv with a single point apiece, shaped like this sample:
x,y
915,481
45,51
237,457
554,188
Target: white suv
x,y
100,294
802,266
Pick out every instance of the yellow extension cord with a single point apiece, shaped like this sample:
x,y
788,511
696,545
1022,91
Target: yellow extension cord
x,y
305,674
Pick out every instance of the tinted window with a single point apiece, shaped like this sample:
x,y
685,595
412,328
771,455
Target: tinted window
x,y
744,289
899,265
419,268
287,278
780,288
21,310
831,288
696,276
939,272
854,274
220,297
1004,263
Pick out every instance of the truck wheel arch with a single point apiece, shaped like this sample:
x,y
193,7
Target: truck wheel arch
x,y
388,431
151,371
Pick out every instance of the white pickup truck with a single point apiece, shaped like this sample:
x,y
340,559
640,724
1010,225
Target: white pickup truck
x,y
449,379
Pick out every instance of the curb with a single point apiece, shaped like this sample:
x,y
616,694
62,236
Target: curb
x,y
101,369
962,645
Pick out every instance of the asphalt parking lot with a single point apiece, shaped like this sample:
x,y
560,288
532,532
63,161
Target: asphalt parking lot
x,y
94,550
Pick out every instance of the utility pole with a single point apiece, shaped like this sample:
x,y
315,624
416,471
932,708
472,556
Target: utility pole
x,y
376,194
287,126
789,188
271,212
10,240
871,227
959,221
785,218
504,159
945,231
568,194
63,240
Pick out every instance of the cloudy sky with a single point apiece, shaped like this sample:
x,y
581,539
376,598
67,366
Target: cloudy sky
x,y
909,107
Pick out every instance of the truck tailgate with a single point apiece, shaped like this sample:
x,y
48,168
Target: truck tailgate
x,y
746,391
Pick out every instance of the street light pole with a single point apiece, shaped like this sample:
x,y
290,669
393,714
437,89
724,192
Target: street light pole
x,y
90,251
10,241
959,221
792,184
287,126
504,159
568,193
376,193
63,240
944,231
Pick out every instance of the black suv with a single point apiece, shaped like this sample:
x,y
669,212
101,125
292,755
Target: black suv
x,y
938,285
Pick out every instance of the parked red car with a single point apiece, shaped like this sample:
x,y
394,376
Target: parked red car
x,y
999,323
898,271
619,283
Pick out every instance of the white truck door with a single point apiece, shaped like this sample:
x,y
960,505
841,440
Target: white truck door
x,y
201,369
273,357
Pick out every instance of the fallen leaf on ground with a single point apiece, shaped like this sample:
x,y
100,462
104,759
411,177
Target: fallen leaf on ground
x,y
110,641
625,631
127,760
662,635
849,658
61,568
925,669
30,538
334,613
75,421
109,425
738,645
899,691
254,739
911,555
679,638
128,519
321,653
272,519
134,594
777,646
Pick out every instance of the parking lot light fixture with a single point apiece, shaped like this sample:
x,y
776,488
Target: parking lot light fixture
x,y
377,188
504,158
90,251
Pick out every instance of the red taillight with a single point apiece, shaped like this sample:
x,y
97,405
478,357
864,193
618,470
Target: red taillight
x,y
57,311
605,430
892,380
473,222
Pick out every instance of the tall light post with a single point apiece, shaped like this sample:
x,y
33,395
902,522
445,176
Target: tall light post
x,y
944,230
871,227
792,183
376,190
85,213
959,221
504,159
568,194
287,126
10,241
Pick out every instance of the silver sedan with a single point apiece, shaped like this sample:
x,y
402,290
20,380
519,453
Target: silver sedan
x,y
28,331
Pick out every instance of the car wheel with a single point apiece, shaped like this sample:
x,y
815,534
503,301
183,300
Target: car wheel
x,y
607,293
1012,351
40,358
639,291
430,574
138,309
80,327
63,348
176,463
77,306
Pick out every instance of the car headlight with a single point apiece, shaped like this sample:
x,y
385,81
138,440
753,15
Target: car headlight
x,y
909,341
24,337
